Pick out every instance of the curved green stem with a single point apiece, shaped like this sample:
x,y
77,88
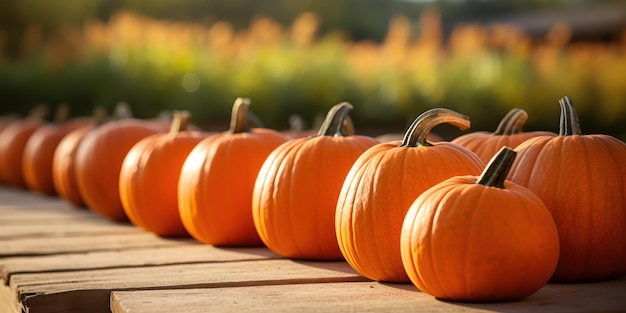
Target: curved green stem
x,y
239,119
498,168
335,123
512,123
569,124
416,135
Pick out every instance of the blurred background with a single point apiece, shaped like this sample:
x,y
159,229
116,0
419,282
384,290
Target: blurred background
x,y
392,59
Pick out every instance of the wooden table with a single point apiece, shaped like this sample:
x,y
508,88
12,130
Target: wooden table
x,y
57,258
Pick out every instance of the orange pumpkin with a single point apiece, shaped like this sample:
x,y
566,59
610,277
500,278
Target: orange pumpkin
x,y
149,177
382,184
12,143
5,121
481,238
297,188
40,147
509,133
217,179
64,169
580,178
99,160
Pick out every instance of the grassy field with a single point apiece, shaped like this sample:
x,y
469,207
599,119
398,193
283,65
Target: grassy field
x,y
156,65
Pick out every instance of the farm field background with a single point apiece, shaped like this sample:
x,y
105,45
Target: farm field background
x,y
156,64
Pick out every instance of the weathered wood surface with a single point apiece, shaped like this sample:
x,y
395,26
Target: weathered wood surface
x,y
57,258
363,297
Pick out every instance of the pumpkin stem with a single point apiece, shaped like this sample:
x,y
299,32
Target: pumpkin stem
x,y
296,123
180,121
122,110
61,113
99,115
512,123
337,121
415,136
569,124
498,168
240,117
38,112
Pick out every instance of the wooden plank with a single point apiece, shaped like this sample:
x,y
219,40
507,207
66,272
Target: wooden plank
x,y
84,228
363,297
22,197
58,245
185,252
89,291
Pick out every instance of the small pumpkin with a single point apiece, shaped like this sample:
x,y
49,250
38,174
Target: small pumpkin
x,y
580,178
217,179
13,140
40,147
297,188
149,177
480,239
382,184
99,160
509,133
64,160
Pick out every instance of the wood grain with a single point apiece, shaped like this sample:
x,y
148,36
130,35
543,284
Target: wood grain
x,y
185,252
363,297
82,291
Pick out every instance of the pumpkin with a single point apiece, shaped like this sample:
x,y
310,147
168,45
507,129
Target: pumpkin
x,y
217,179
13,140
509,133
40,148
297,188
99,160
382,184
480,239
580,178
149,176
5,121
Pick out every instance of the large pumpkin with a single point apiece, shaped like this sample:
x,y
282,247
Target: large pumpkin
x,y
508,134
581,179
382,184
473,238
13,140
217,179
99,160
149,177
40,148
296,191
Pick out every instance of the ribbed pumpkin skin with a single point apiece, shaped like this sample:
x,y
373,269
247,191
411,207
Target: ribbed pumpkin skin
x,y
508,134
296,191
580,178
39,152
99,160
13,140
149,181
377,193
485,144
464,241
64,168
216,183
